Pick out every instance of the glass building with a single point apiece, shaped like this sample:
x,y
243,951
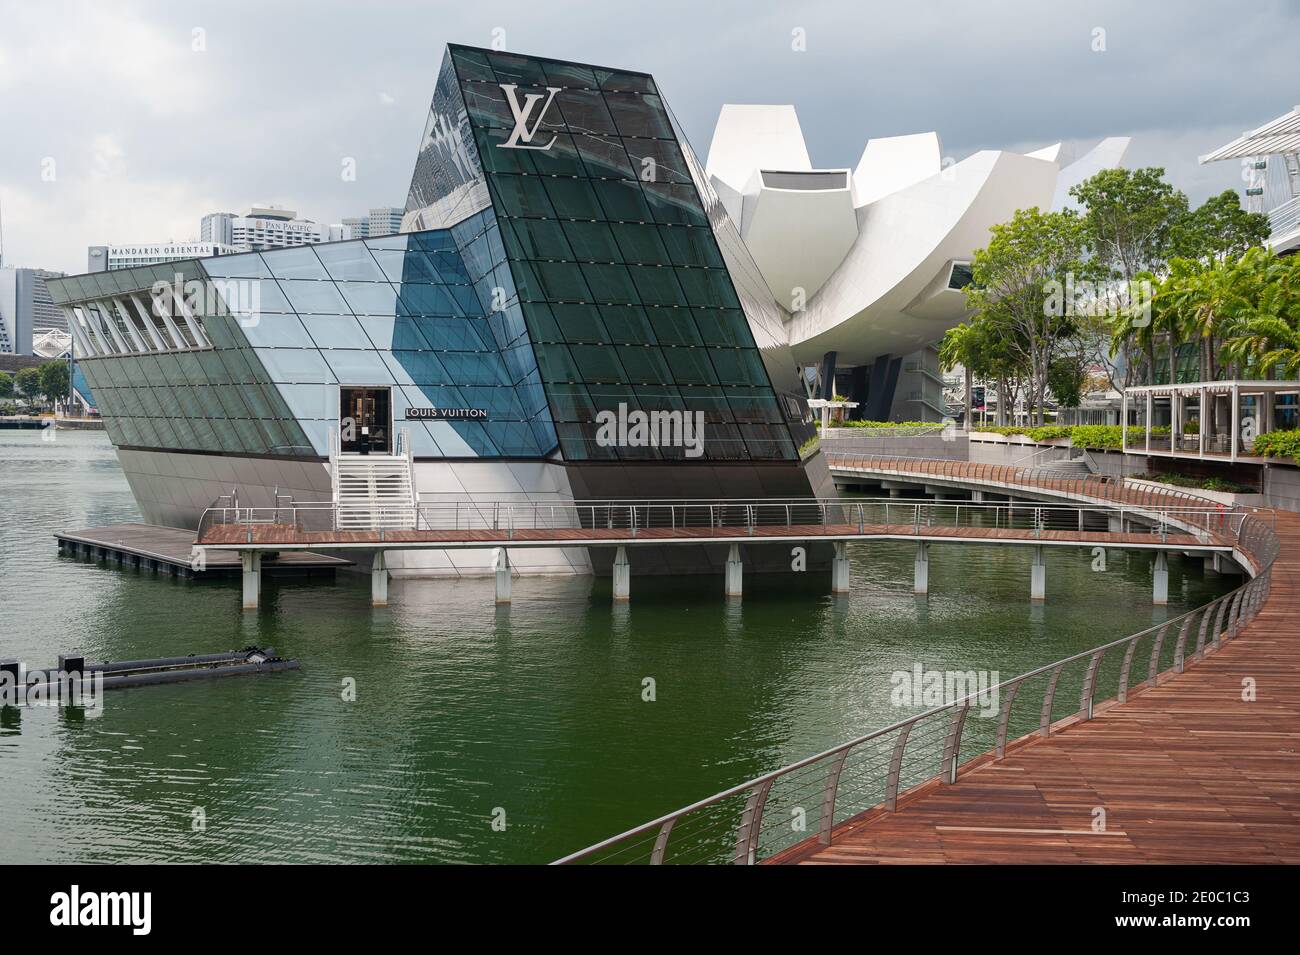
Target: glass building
x,y
565,263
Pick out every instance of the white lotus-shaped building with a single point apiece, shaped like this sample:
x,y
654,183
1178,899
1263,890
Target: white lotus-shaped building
x,y
868,264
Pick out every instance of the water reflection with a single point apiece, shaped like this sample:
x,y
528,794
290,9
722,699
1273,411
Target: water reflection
x,y
463,705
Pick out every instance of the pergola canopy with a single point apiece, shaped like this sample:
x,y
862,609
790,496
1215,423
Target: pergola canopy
x,y
1281,135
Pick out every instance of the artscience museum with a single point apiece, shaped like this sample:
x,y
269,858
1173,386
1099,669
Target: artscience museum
x,y
577,308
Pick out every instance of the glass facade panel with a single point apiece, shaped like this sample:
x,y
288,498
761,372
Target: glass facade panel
x,y
619,275
545,285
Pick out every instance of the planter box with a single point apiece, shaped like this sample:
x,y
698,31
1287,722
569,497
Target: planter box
x,y
1226,498
1019,439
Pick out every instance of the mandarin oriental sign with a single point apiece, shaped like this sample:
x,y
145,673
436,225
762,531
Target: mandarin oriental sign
x,y
446,414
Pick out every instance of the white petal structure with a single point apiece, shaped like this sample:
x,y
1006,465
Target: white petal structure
x,y
867,265
894,163
1107,154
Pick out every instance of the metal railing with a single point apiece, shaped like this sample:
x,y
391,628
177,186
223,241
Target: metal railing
x,y
315,522
1033,455
1008,479
1284,219
797,808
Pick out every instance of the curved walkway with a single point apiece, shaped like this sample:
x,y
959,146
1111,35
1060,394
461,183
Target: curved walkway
x,y
1187,771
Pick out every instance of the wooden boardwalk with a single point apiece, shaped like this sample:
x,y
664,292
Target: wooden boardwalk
x,y
167,549
1186,772
284,535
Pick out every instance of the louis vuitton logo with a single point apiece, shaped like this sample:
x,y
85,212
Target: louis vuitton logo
x,y
521,137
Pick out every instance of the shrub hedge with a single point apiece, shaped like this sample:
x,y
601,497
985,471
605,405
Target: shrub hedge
x,y
1104,437
1278,444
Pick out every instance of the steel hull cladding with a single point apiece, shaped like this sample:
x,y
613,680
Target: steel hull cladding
x,y
569,314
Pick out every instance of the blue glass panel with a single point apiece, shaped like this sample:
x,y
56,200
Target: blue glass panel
x,y
336,331
299,263
295,364
349,261
319,298
358,367
406,266
311,401
370,298
248,265
277,330
417,368
429,300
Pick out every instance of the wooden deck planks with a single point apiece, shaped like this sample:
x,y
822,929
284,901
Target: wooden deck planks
x,y
172,546
286,535
1187,771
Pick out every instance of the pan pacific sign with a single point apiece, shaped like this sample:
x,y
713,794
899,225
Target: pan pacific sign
x,y
446,414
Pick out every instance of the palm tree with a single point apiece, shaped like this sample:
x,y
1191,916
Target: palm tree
x,y
1268,333
1210,295
1134,334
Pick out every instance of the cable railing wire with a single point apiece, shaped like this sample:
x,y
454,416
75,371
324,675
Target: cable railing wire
x,y
928,746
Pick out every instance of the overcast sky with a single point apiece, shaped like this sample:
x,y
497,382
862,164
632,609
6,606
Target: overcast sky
x,y
114,128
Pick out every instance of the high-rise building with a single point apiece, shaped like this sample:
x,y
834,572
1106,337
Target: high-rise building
x,y
358,227
264,228
385,220
107,258
26,309
379,222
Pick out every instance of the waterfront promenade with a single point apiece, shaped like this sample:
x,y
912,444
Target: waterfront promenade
x,y
1186,771
1180,743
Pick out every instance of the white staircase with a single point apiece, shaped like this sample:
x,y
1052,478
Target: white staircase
x,y
1065,468
374,491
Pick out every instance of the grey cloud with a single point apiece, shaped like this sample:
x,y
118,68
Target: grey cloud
x,y
284,91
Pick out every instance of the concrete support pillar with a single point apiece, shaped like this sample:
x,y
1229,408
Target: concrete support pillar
x,y
977,497
1114,524
1211,563
735,572
1235,397
1224,564
895,492
379,581
1160,578
501,564
840,568
622,576
1038,576
921,579
251,561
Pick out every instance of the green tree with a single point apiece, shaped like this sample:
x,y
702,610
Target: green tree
x,y
28,381
1219,228
971,346
54,380
1266,330
6,385
1210,295
1132,217
1017,294
1065,378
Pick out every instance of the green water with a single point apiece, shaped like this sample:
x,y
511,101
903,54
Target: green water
x,y
463,708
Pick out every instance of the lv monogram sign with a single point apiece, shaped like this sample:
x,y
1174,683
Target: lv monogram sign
x,y
521,137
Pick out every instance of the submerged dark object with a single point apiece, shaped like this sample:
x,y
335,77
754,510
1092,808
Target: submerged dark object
x,y
196,666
